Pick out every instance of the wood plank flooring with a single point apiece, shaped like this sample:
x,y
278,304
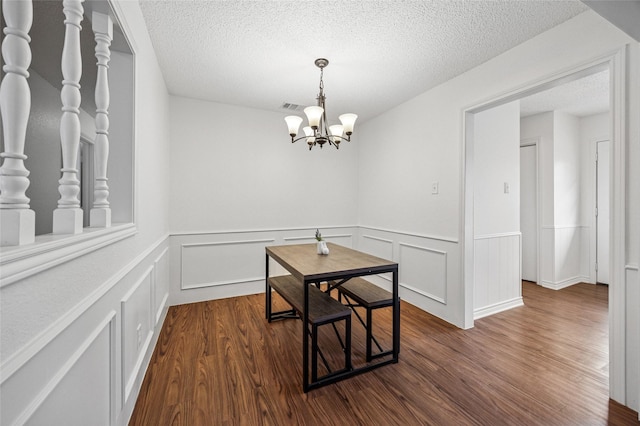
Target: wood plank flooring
x,y
546,363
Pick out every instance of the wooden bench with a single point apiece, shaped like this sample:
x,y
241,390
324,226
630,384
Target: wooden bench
x,y
323,309
369,296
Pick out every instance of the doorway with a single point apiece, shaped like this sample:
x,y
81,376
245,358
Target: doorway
x,y
602,211
529,208
617,292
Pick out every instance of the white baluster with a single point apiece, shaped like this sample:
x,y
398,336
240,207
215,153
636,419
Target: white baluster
x,y
17,221
103,30
67,218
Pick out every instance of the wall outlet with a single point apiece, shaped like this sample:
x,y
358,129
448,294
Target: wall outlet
x,y
506,187
434,188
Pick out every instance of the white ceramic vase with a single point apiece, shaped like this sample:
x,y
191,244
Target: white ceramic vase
x,y
322,248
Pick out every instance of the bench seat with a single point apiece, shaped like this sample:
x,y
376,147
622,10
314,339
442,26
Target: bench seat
x,y
322,307
366,293
369,296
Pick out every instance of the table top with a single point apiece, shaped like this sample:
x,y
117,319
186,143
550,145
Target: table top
x,y
303,261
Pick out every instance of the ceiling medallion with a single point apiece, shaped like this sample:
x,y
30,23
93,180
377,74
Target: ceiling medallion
x,y
318,132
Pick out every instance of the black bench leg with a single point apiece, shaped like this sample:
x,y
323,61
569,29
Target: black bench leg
x,y
314,353
369,334
267,293
347,344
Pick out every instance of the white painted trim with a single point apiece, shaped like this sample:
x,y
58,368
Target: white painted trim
x,y
536,142
64,370
498,307
226,243
438,299
219,283
424,293
161,308
14,362
312,237
564,283
617,288
136,368
384,240
142,350
258,230
499,235
20,262
184,286
411,234
423,249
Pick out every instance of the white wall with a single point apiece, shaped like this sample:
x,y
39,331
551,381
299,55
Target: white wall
x,y
541,126
428,136
235,168
566,169
237,185
496,147
70,349
564,238
593,128
496,209
567,229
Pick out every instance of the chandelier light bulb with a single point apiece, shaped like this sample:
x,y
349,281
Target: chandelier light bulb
x,y
309,132
314,115
348,121
293,122
336,132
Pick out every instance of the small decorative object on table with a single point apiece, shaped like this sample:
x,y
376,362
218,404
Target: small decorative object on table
x,y
322,245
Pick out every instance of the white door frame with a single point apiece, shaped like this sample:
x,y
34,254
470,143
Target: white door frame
x,y
593,161
536,142
615,62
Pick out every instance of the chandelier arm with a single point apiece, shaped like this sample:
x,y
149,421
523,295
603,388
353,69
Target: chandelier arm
x,y
300,138
348,138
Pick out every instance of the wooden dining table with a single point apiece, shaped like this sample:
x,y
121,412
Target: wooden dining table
x,y
341,264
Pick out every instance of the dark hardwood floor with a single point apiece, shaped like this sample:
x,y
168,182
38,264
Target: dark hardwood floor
x,y
221,363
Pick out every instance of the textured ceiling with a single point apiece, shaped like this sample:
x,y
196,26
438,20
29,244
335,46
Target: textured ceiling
x,y
260,53
587,96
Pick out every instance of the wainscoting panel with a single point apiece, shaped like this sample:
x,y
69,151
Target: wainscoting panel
x,y
497,285
160,284
424,271
429,269
377,246
86,367
136,330
65,400
222,263
213,265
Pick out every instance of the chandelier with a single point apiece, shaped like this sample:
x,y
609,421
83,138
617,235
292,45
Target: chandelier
x,y
318,132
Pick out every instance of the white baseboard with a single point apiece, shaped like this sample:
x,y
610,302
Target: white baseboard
x,y
564,283
498,307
